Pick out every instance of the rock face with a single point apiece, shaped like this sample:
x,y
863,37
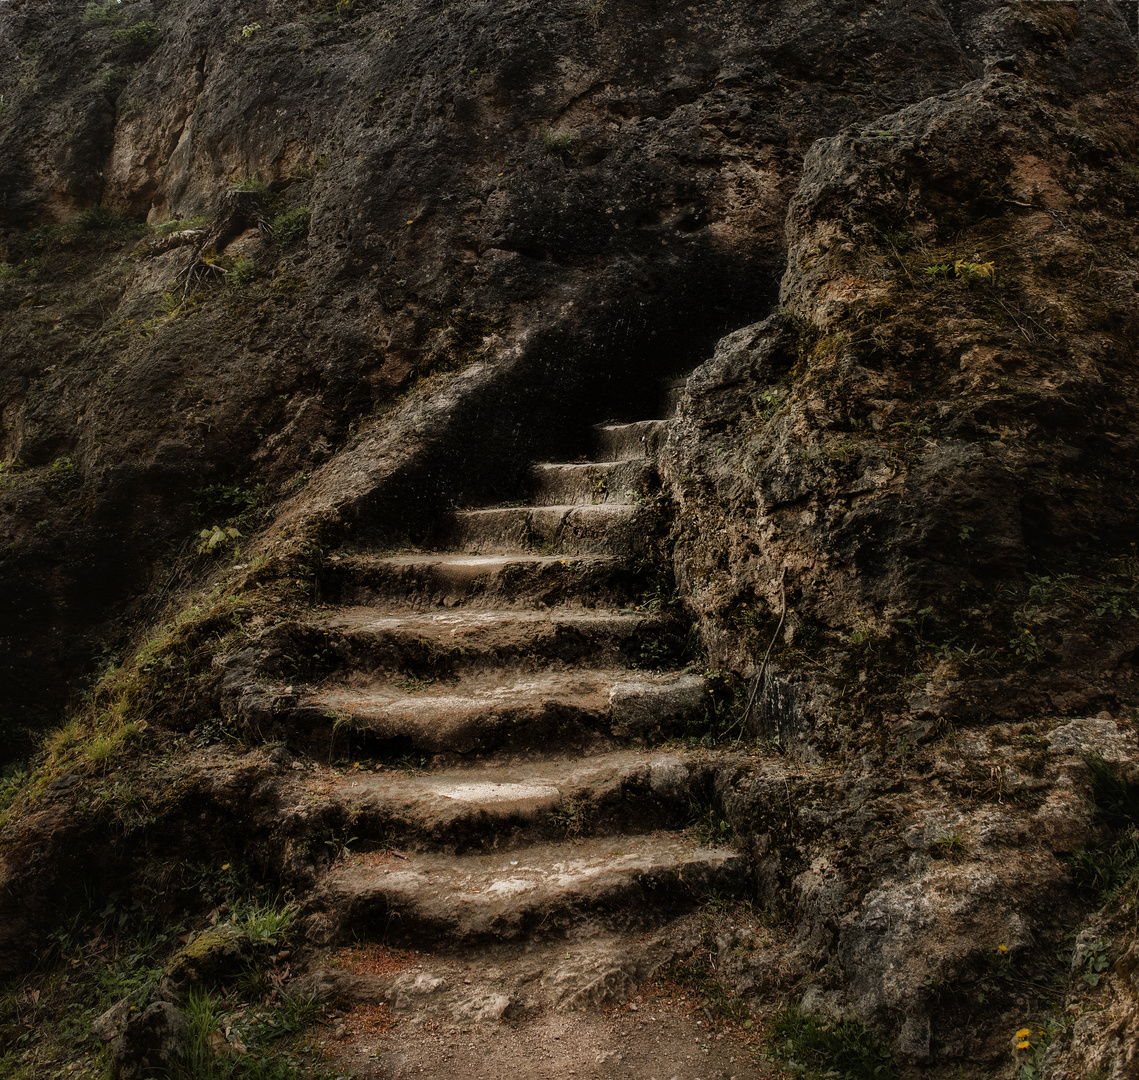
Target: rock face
x,y
926,456
394,254
583,196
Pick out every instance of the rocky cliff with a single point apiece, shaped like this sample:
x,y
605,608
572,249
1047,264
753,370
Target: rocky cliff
x,y
319,273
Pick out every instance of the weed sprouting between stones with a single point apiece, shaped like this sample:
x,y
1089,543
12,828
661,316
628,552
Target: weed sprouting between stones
x,y
1111,868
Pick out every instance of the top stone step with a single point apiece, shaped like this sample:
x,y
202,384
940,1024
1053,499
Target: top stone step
x,y
624,442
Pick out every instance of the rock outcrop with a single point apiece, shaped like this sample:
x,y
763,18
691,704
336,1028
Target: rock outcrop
x,y
393,255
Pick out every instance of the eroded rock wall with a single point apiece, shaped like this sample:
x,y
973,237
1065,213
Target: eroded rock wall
x,y
582,196
925,461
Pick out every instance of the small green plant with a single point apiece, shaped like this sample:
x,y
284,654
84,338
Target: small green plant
x,y
250,30
241,273
413,684
11,780
972,273
838,1048
215,538
291,226
1026,646
1095,961
570,815
234,504
950,843
559,146
1112,866
253,184
771,403
975,273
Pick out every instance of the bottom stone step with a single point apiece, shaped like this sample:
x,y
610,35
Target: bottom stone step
x,y
624,883
585,971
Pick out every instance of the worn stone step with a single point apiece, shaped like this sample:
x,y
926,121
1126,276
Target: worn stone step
x,y
422,580
520,712
606,529
496,982
623,442
505,806
455,640
589,483
624,882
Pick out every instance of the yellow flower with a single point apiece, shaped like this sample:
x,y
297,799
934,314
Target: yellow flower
x,y
1023,1033
1025,1045
1002,948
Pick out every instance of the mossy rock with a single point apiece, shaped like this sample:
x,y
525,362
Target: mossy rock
x,y
214,956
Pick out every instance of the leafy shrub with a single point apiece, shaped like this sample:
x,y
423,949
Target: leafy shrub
x,y
98,219
114,80
103,14
135,42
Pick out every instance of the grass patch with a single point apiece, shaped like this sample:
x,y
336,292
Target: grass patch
x,y
228,1041
842,1049
559,146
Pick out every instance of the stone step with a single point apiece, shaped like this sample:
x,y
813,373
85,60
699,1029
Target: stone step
x,y
589,483
606,529
623,883
623,442
512,711
422,580
499,807
455,640
495,982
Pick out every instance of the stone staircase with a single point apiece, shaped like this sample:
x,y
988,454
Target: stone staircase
x,y
535,837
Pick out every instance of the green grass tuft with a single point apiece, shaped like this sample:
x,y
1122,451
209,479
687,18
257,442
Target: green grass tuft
x,y
843,1049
